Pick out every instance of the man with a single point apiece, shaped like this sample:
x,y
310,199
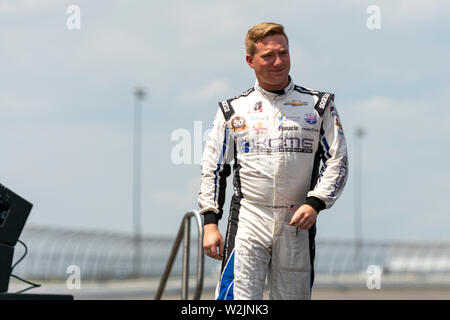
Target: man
x,y
277,133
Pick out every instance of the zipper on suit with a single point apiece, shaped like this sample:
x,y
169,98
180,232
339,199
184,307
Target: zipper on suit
x,y
274,119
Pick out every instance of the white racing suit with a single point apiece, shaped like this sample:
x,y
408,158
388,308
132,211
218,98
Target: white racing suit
x,y
277,142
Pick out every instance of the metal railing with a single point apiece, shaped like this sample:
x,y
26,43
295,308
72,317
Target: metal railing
x,y
184,233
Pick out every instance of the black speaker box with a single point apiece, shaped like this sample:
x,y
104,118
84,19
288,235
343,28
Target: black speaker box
x,y
14,211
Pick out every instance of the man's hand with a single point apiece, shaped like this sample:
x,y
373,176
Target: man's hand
x,y
304,217
213,242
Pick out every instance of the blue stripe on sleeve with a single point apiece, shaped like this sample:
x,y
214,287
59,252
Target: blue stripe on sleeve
x,y
327,147
216,177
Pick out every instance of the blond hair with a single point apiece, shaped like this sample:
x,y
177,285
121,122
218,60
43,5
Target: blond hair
x,y
259,31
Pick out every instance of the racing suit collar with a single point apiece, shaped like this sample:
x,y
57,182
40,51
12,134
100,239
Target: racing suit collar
x,y
272,95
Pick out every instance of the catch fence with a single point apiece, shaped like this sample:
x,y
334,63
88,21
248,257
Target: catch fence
x,y
111,255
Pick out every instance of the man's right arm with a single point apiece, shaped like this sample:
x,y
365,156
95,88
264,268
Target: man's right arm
x,y
214,169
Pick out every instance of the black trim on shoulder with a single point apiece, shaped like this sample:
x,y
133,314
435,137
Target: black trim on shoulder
x,y
306,91
245,93
226,107
323,102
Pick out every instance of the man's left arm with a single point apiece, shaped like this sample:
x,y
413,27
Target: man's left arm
x,y
334,172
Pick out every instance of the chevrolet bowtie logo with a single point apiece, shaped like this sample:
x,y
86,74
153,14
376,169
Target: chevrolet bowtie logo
x,y
296,103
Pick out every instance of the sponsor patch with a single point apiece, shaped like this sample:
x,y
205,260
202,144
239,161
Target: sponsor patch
x,y
334,112
288,117
310,129
287,128
296,103
293,118
339,125
259,128
311,118
257,107
238,123
323,100
257,116
275,145
226,107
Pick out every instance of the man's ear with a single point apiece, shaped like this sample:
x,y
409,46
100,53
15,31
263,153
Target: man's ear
x,y
249,60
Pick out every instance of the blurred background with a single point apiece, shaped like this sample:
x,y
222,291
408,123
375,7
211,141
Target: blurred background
x,y
105,106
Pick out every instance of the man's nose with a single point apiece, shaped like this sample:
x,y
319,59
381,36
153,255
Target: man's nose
x,y
278,60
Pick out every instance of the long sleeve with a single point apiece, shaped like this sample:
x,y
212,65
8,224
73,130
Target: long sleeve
x,y
214,170
334,172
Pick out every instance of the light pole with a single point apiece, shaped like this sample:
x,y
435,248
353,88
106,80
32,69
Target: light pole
x,y
359,134
139,95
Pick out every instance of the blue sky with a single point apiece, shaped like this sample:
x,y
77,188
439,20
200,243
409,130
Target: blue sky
x,y
67,105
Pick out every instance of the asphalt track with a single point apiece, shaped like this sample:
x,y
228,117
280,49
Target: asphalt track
x,y
366,294
324,289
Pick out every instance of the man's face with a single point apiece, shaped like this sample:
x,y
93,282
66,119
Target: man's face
x,y
271,62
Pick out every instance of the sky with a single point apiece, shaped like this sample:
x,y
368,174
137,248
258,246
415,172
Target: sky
x,y
66,98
